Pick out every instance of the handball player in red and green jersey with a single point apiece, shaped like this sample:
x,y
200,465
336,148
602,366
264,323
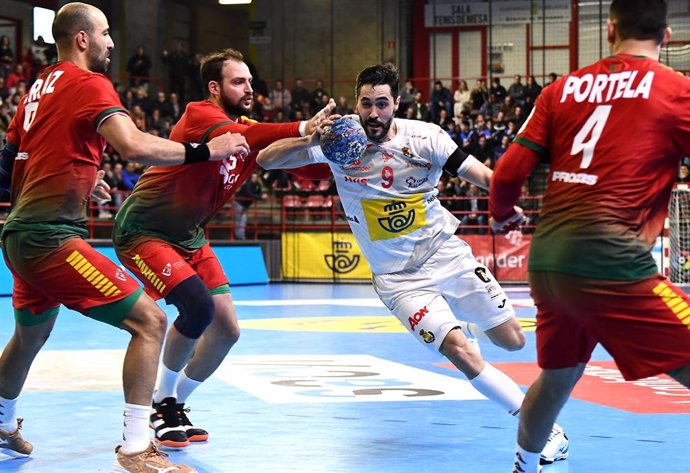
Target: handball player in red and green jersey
x,y
159,236
54,150
613,134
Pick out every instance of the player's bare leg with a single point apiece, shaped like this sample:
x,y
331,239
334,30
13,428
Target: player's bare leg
x,y
19,354
543,401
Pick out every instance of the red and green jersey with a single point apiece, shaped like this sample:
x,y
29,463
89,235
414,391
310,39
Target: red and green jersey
x,y
59,148
613,133
174,203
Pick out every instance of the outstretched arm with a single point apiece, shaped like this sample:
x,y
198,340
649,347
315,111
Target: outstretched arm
x,y
135,145
506,183
288,153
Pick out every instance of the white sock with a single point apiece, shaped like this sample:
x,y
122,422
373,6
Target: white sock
x,y
472,330
527,461
498,387
167,382
185,387
8,414
136,428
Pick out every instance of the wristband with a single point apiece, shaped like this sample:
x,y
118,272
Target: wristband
x,y
196,153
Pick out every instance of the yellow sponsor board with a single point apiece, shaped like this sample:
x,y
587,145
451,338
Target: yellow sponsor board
x,y
311,255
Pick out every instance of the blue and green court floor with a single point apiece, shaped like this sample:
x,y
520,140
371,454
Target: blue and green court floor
x,y
324,380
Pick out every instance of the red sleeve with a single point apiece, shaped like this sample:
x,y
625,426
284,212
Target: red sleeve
x,y
506,182
313,171
260,135
682,112
98,100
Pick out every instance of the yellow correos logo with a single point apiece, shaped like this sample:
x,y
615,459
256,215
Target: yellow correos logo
x,y
392,218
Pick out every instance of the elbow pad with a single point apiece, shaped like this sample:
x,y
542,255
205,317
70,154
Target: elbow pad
x,y
7,156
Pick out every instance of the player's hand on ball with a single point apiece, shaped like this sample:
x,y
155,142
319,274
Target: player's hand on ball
x,y
227,145
510,223
344,141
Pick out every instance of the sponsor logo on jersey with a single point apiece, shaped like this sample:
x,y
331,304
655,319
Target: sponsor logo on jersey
x,y
356,166
427,336
603,88
341,261
119,274
406,152
574,178
357,180
352,218
481,274
387,156
167,270
419,164
388,219
227,170
417,317
21,156
413,183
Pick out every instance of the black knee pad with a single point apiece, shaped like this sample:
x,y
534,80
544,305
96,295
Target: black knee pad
x,y
195,304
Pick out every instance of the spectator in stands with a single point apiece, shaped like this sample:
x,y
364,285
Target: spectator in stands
x,y
444,118
196,86
176,106
490,107
467,137
519,116
15,76
479,95
6,56
317,95
683,174
508,107
127,99
130,176
280,99
138,68
501,148
517,90
421,109
475,207
300,95
532,89
142,100
406,97
552,78
463,100
483,151
163,105
497,89
343,108
440,99
250,192
178,63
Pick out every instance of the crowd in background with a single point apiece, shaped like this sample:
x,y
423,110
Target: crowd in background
x,y
482,120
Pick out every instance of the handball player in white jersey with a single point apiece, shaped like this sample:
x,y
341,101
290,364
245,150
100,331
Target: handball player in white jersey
x,y
423,273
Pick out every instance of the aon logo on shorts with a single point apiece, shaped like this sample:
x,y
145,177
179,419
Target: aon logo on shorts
x,y
392,218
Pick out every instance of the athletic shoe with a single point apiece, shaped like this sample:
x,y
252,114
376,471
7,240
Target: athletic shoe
x,y
194,434
150,460
556,447
165,421
13,444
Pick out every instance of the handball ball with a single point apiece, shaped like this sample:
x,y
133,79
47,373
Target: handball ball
x,y
344,141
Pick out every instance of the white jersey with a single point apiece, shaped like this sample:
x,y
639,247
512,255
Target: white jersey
x,y
390,196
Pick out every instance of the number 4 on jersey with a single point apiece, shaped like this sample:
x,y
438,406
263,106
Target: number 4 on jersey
x,y
592,129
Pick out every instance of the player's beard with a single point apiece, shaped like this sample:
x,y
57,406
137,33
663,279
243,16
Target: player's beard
x,y
235,109
381,136
98,62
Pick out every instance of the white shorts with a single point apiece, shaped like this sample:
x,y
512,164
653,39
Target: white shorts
x,y
451,285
